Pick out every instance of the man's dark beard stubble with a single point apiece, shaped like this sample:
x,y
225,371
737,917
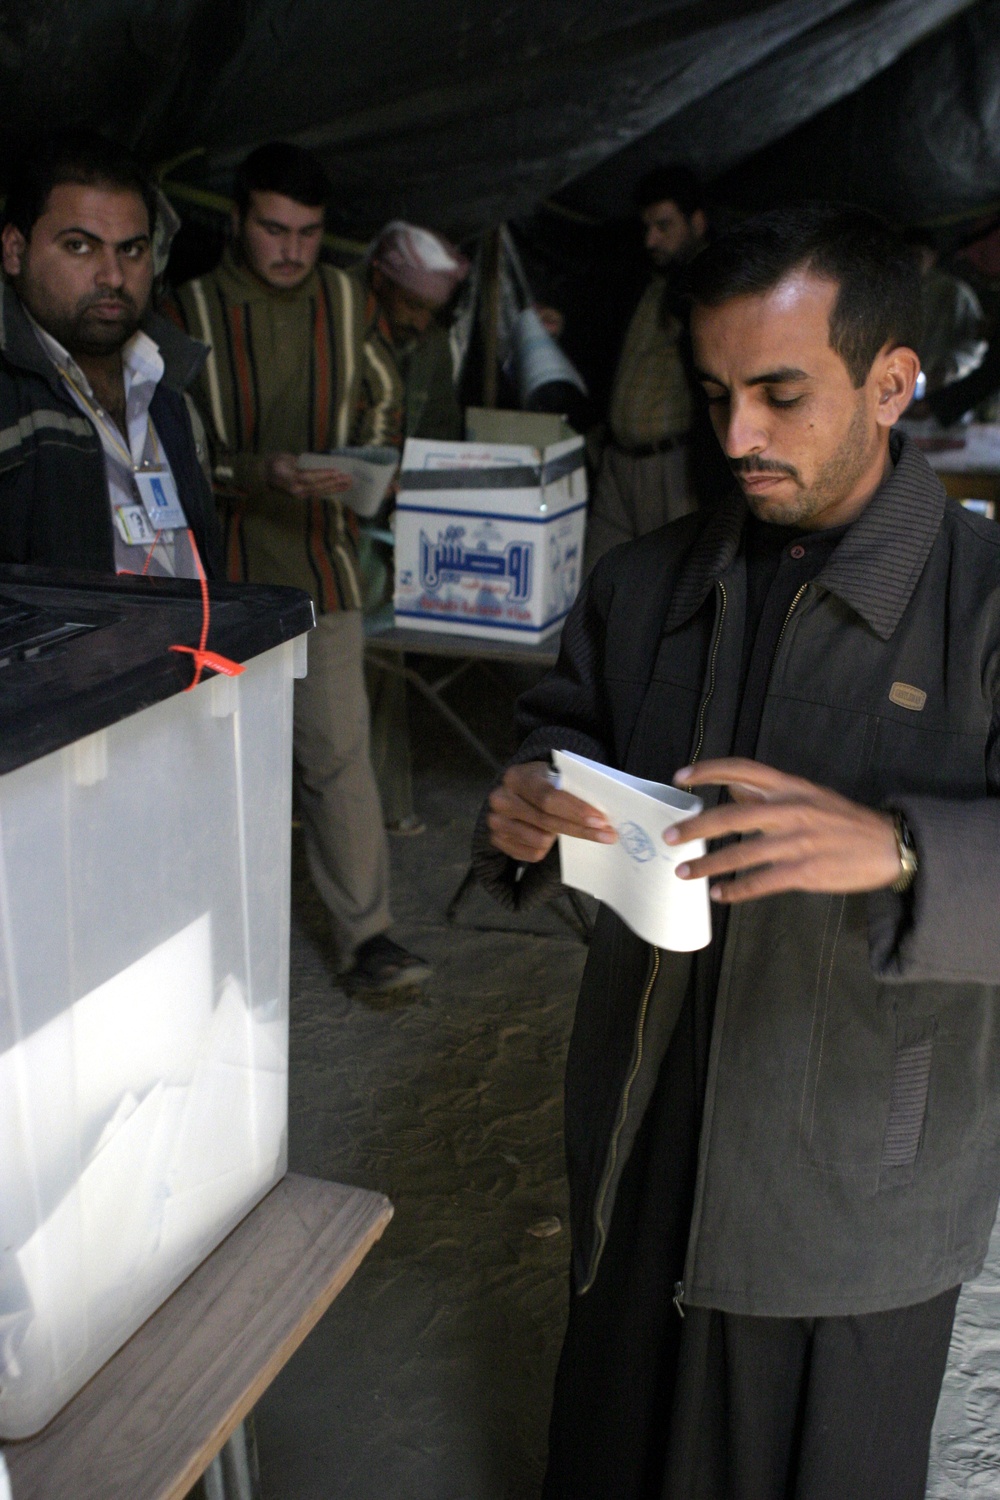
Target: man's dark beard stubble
x,y
92,337
834,481
82,333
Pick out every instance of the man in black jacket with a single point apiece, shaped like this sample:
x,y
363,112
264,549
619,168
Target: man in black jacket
x,y
99,468
783,1151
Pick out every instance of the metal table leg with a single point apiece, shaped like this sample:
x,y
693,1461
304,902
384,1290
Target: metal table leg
x,y
432,692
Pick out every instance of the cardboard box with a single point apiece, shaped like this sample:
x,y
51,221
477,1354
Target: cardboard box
x,y
489,537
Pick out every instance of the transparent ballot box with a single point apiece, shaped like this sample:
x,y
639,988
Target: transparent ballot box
x,y
144,892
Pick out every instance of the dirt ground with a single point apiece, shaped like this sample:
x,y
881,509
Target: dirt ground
x,y
429,1379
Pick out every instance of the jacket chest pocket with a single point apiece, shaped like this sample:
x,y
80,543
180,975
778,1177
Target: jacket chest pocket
x,y
911,758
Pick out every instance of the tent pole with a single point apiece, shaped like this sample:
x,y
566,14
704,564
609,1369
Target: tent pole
x,y
491,315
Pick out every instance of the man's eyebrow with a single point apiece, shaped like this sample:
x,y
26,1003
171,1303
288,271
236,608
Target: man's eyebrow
x,y
289,228
88,234
782,376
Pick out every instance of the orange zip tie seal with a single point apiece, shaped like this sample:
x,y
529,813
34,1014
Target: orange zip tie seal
x,y
204,660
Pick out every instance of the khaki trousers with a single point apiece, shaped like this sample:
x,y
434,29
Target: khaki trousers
x,y
636,495
337,797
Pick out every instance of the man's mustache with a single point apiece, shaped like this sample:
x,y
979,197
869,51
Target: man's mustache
x,y
754,465
104,299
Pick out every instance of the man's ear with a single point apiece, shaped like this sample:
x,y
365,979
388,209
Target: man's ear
x,y
894,375
14,246
699,223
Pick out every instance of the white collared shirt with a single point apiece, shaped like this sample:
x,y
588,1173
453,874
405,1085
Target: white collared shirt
x,y
142,370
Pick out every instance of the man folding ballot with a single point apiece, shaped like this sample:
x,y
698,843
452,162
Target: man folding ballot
x,y
784,1148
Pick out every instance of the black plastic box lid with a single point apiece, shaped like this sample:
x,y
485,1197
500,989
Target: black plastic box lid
x,y
79,652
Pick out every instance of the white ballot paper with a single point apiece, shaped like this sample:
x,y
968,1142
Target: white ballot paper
x,y
372,470
637,876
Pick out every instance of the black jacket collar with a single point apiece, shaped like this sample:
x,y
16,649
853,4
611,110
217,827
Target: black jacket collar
x,y
874,569
183,357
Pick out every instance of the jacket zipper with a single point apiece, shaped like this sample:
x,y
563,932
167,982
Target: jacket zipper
x,y
791,611
679,1287
619,1123
711,674
647,992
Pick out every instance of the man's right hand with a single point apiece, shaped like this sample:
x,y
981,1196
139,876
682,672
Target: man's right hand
x,y
283,473
527,812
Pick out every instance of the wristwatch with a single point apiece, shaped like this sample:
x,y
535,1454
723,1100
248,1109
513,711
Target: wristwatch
x,y
907,851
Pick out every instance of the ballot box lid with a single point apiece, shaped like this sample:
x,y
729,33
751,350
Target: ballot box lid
x,y
79,652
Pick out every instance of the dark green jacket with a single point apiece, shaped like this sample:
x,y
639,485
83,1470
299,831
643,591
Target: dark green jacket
x,y
431,404
850,1151
54,507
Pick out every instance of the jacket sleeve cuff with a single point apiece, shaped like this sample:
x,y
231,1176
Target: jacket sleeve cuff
x,y
515,886
945,928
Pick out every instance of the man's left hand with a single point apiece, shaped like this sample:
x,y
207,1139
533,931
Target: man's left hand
x,y
795,836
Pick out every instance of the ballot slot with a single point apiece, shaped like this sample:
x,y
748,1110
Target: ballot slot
x,y
27,632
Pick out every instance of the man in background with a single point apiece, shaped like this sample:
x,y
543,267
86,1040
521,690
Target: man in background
x,y
291,371
645,475
410,276
92,403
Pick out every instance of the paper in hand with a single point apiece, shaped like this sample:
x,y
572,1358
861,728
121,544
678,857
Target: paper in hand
x,y
637,876
371,469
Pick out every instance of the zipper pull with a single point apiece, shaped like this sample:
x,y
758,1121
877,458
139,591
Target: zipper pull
x,y
679,1298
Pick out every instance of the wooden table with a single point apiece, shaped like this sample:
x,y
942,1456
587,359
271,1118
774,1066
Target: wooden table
x,y
151,1421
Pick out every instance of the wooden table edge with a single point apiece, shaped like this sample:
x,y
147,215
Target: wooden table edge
x,y
242,1408
179,1485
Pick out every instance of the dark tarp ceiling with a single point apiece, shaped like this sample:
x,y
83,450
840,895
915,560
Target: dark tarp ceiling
x,y
463,112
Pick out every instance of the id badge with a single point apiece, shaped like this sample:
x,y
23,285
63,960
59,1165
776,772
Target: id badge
x,y
133,526
160,500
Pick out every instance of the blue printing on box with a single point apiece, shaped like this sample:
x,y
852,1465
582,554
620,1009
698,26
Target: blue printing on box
x,y
450,557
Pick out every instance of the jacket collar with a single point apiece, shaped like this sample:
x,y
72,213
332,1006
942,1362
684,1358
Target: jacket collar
x,y
875,567
183,357
712,554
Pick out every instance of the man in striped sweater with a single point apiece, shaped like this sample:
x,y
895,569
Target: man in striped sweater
x,y
291,370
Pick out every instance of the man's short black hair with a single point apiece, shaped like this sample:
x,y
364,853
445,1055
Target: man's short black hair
x,y
78,156
878,301
285,169
670,184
